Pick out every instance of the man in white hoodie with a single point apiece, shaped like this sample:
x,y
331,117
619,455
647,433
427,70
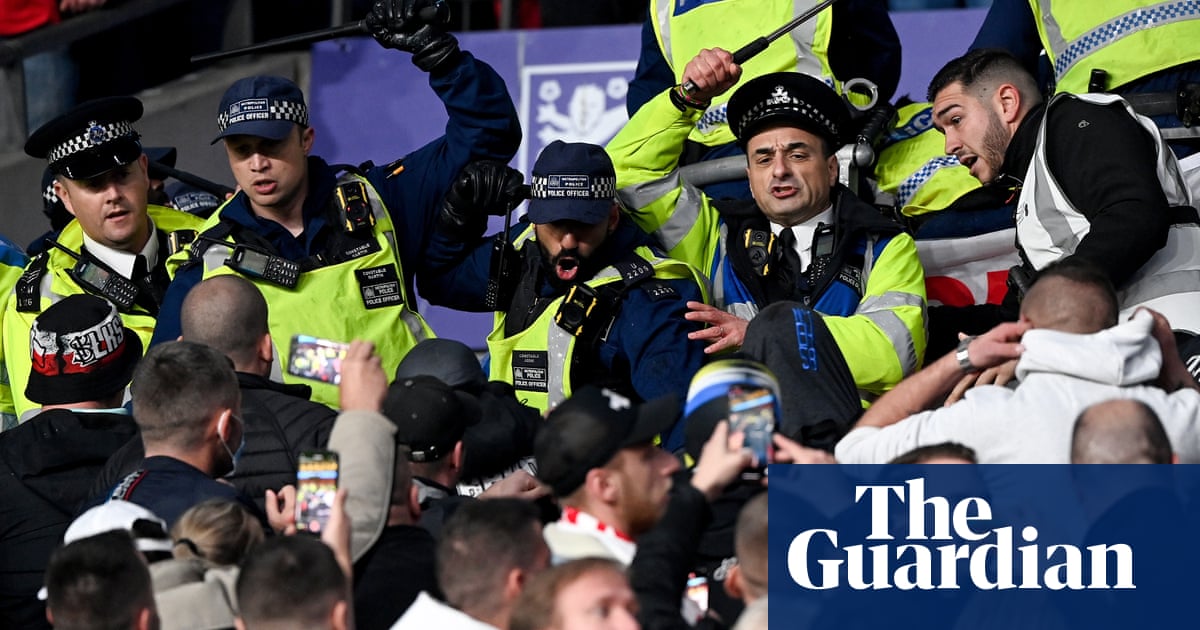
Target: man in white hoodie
x,y
1072,353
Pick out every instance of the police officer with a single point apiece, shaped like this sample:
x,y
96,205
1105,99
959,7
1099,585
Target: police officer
x,y
588,301
853,39
115,247
333,253
804,238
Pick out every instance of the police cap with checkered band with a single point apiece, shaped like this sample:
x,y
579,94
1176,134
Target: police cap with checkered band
x,y
572,181
90,139
263,106
788,99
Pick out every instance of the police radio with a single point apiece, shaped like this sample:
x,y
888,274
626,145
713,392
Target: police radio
x,y
97,280
822,252
354,206
273,269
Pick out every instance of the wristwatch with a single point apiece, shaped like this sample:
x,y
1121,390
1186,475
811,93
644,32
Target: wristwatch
x,y
964,360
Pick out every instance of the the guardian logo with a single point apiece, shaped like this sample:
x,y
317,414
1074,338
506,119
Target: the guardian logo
x,y
974,554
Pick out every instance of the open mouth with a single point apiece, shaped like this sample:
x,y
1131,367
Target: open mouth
x,y
782,192
566,269
264,187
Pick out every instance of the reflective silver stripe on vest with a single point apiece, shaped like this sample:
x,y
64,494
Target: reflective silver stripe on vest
x,y
687,206
902,341
878,309
803,37
1050,215
664,28
1138,19
914,182
558,344
1162,285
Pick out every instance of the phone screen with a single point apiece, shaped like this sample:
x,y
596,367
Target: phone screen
x,y
250,260
316,485
697,595
315,358
752,411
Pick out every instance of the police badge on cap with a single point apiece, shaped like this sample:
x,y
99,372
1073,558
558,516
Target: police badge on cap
x,y
91,139
788,99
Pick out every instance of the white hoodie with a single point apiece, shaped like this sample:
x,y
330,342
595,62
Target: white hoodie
x,y
1060,375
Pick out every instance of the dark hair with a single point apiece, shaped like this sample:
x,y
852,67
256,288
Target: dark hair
x,y
1123,431
177,387
535,608
481,542
290,578
98,583
227,313
983,69
922,454
1100,307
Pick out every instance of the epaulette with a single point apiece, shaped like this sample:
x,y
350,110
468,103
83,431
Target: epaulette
x,y
29,285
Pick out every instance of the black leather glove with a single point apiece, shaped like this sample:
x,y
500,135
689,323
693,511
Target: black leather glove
x,y
415,26
482,188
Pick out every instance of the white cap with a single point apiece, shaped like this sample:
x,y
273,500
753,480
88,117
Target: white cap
x,y
116,515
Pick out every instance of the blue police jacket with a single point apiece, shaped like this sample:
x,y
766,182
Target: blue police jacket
x,y
482,125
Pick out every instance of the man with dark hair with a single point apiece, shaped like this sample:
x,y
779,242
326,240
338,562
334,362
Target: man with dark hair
x,y
586,300
567,597
1120,432
115,246
848,284
488,552
1072,353
229,314
596,451
354,237
1093,180
83,356
186,404
292,582
100,583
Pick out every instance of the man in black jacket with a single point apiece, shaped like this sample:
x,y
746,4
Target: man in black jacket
x,y
48,462
229,314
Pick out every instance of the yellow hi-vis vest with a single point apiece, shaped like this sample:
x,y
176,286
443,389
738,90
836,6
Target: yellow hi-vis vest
x,y
361,298
731,24
1129,39
913,166
537,360
54,284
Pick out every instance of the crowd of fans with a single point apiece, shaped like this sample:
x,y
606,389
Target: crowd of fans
x,y
657,345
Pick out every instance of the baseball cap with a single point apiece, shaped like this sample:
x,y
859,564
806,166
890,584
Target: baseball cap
x,y
429,415
448,360
149,532
708,397
90,139
788,99
264,106
586,431
80,350
191,199
572,181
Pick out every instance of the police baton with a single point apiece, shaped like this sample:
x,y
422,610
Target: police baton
x,y
195,180
436,13
745,53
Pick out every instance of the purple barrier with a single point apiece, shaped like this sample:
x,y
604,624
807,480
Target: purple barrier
x,y
371,104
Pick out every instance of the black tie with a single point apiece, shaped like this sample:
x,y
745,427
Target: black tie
x,y
790,268
141,271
